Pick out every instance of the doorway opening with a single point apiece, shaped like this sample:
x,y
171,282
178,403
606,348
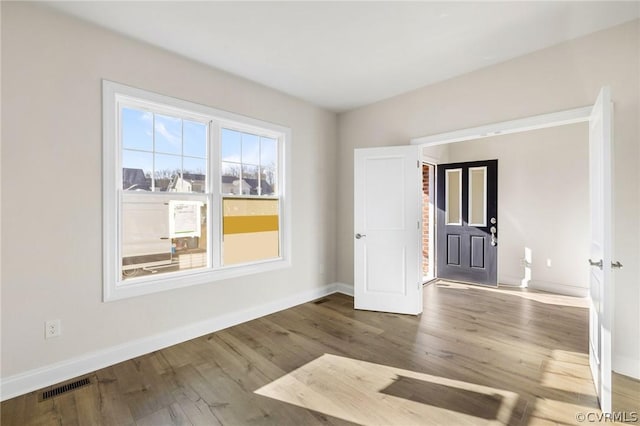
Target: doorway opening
x,y
438,150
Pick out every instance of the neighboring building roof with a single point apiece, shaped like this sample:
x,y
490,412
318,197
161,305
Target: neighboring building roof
x,y
253,184
193,176
134,179
266,188
229,179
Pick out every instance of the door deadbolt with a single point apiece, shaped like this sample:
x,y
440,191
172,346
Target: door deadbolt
x,y
493,231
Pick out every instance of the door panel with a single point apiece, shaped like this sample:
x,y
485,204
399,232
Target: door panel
x,y
390,279
453,250
387,222
477,251
467,200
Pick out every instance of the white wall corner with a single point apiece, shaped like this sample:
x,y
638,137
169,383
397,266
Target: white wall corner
x,y
343,288
626,366
41,377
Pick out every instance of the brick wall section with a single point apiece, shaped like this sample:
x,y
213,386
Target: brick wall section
x,y
425,219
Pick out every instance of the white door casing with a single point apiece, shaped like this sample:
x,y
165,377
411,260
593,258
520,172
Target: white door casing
x,y
387,226
601,278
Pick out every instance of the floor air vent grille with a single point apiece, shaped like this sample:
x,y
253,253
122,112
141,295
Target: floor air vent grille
x,y
67,387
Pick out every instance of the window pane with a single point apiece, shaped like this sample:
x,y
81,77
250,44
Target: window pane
x,y
251,230
137,132
230,178
268,164
162,235
250,149
195,139
137,169
231,145
195,171
249,172
268,151
250,177
167,173
168,134
477,196
453,191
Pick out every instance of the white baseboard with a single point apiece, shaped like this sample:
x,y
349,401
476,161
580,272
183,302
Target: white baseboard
x,y
344,288
557,288
38,378
626,366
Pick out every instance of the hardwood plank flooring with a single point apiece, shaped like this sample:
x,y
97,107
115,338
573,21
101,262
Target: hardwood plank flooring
x,y
475,356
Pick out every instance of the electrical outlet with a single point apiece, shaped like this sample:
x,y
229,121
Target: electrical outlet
x,y
548,263
52,329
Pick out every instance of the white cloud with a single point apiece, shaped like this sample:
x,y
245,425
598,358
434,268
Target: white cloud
x,y
162,129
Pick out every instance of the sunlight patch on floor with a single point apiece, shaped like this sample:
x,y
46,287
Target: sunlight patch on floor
x,y
371,394
553,412
537,296
569,372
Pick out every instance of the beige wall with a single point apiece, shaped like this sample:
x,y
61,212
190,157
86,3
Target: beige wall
x,y
543,204
52,67
566,76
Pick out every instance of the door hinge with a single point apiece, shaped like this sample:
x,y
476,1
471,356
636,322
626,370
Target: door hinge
x,y
418,163
418,224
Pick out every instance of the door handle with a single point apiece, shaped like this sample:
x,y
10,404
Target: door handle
x,y
494,242
598,263
616,264
358,236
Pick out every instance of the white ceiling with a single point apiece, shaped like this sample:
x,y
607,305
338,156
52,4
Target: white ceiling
x,y
342,55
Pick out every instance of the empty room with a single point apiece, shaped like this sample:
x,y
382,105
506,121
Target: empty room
x,y
300,213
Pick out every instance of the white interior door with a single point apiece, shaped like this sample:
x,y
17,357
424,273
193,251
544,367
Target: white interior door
x,y
601,279
387,226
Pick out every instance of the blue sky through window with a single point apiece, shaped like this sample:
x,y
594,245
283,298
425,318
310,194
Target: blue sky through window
x,y
245,148
162,145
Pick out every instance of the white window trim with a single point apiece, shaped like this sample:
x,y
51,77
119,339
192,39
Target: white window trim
x,y
113,287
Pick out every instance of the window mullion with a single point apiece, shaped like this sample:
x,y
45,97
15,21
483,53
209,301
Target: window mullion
x,y
240,185
153,153
214,230
260,166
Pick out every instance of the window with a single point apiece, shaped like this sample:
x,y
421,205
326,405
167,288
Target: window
x,y
477,196
191,194
453,196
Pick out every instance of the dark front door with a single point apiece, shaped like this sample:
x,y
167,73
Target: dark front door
x,y
467,222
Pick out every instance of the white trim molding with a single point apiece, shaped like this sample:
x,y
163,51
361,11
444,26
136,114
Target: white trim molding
x,y
542,121
48,375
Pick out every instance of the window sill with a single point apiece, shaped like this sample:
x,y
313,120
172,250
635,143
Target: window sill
x,y
150,285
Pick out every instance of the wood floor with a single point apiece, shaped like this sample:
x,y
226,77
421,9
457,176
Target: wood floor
x,y
475,356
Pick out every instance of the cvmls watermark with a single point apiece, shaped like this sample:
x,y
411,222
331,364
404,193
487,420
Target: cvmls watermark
x,y
616,416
